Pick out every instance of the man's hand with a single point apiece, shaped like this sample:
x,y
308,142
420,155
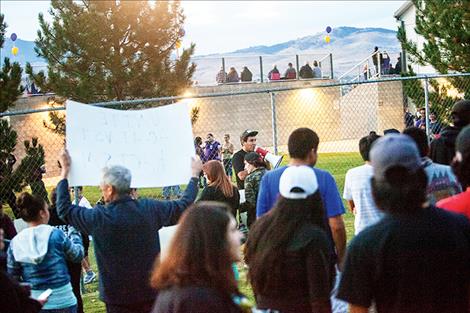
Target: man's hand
x,y
65,162
338,230
196,166
242,174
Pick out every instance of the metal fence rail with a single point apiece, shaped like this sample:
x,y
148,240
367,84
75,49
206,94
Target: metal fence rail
x,y
275,110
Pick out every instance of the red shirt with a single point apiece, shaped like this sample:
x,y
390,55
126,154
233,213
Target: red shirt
x,y
459,203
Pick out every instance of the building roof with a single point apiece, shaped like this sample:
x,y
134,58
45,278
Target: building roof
x,y
402,9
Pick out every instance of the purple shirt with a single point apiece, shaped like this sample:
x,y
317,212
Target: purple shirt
x,y
211,151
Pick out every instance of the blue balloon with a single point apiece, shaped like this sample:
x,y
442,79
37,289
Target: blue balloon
x,y
328,29
13,37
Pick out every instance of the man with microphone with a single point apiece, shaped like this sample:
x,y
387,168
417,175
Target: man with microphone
x,y
248,141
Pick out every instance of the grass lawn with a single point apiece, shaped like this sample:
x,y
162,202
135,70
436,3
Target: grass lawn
x,y
336,163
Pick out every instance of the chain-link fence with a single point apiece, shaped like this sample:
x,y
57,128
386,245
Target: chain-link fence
x,y
33,134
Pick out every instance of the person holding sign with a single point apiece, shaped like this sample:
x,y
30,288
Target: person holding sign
x,y
125,233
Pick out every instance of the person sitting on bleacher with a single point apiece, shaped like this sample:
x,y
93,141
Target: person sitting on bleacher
x,y
306,71
246,75
232,76
274,74
290,72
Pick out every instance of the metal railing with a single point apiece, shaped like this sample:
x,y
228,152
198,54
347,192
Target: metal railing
x,y
259,65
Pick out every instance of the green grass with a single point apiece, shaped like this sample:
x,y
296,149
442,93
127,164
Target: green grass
x,y
336,163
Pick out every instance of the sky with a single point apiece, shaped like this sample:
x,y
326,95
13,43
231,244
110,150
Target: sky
x,y
225,26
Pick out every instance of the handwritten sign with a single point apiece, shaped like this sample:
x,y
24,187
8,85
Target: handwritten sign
x,y
155,144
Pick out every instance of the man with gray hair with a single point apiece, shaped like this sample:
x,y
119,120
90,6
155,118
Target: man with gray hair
x,y
125,234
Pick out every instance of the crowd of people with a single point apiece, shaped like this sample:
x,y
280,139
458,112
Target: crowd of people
x,y
305,72
410,253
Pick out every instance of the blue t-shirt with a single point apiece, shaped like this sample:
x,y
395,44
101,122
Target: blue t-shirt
x,y
269,192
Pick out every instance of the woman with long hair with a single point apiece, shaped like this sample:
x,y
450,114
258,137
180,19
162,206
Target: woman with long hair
x,y
38,256
219,187
196,275
288,252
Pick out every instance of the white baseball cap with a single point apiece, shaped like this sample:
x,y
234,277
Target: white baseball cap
x,y
298,182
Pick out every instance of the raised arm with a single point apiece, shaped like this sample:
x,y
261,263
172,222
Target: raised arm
x,y
80,217
168,212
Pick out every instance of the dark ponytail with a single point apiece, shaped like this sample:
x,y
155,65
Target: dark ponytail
x,y
29,206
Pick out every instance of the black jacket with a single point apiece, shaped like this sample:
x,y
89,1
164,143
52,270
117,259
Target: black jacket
x,y
15,298
443,148
193,300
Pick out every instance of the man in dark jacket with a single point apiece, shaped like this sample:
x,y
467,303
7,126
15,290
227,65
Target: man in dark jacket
x,y
443,148
246,75
125,234
306,71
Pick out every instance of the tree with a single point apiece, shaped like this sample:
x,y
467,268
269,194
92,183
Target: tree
x,y
445,27
439,100
10,76
123,50
29,172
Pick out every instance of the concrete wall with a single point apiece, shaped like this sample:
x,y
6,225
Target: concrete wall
x,y
299,108
409,19
340,121
32,125
371,107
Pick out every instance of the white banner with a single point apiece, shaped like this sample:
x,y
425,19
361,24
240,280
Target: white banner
x,y
155,144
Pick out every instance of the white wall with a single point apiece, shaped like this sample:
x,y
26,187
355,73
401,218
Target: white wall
x,y
409,18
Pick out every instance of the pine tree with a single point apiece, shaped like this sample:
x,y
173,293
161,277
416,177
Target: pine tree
x,y
10,76
439,101
113,50
27,173
445,27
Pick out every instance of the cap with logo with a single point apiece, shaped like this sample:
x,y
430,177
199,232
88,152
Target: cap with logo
x,y
248,133
394,150
298,182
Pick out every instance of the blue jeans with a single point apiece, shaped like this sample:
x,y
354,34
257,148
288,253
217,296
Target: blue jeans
x,y
71,309
228,167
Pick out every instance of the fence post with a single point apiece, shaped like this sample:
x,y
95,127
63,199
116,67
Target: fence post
x,y
273,120
261,67
331,66
379,64
426,106
297,65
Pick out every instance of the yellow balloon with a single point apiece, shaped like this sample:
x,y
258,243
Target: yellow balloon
x,y
327,39
178,44
14,50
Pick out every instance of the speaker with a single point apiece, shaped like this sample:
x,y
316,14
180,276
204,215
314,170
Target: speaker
x,y
275,160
